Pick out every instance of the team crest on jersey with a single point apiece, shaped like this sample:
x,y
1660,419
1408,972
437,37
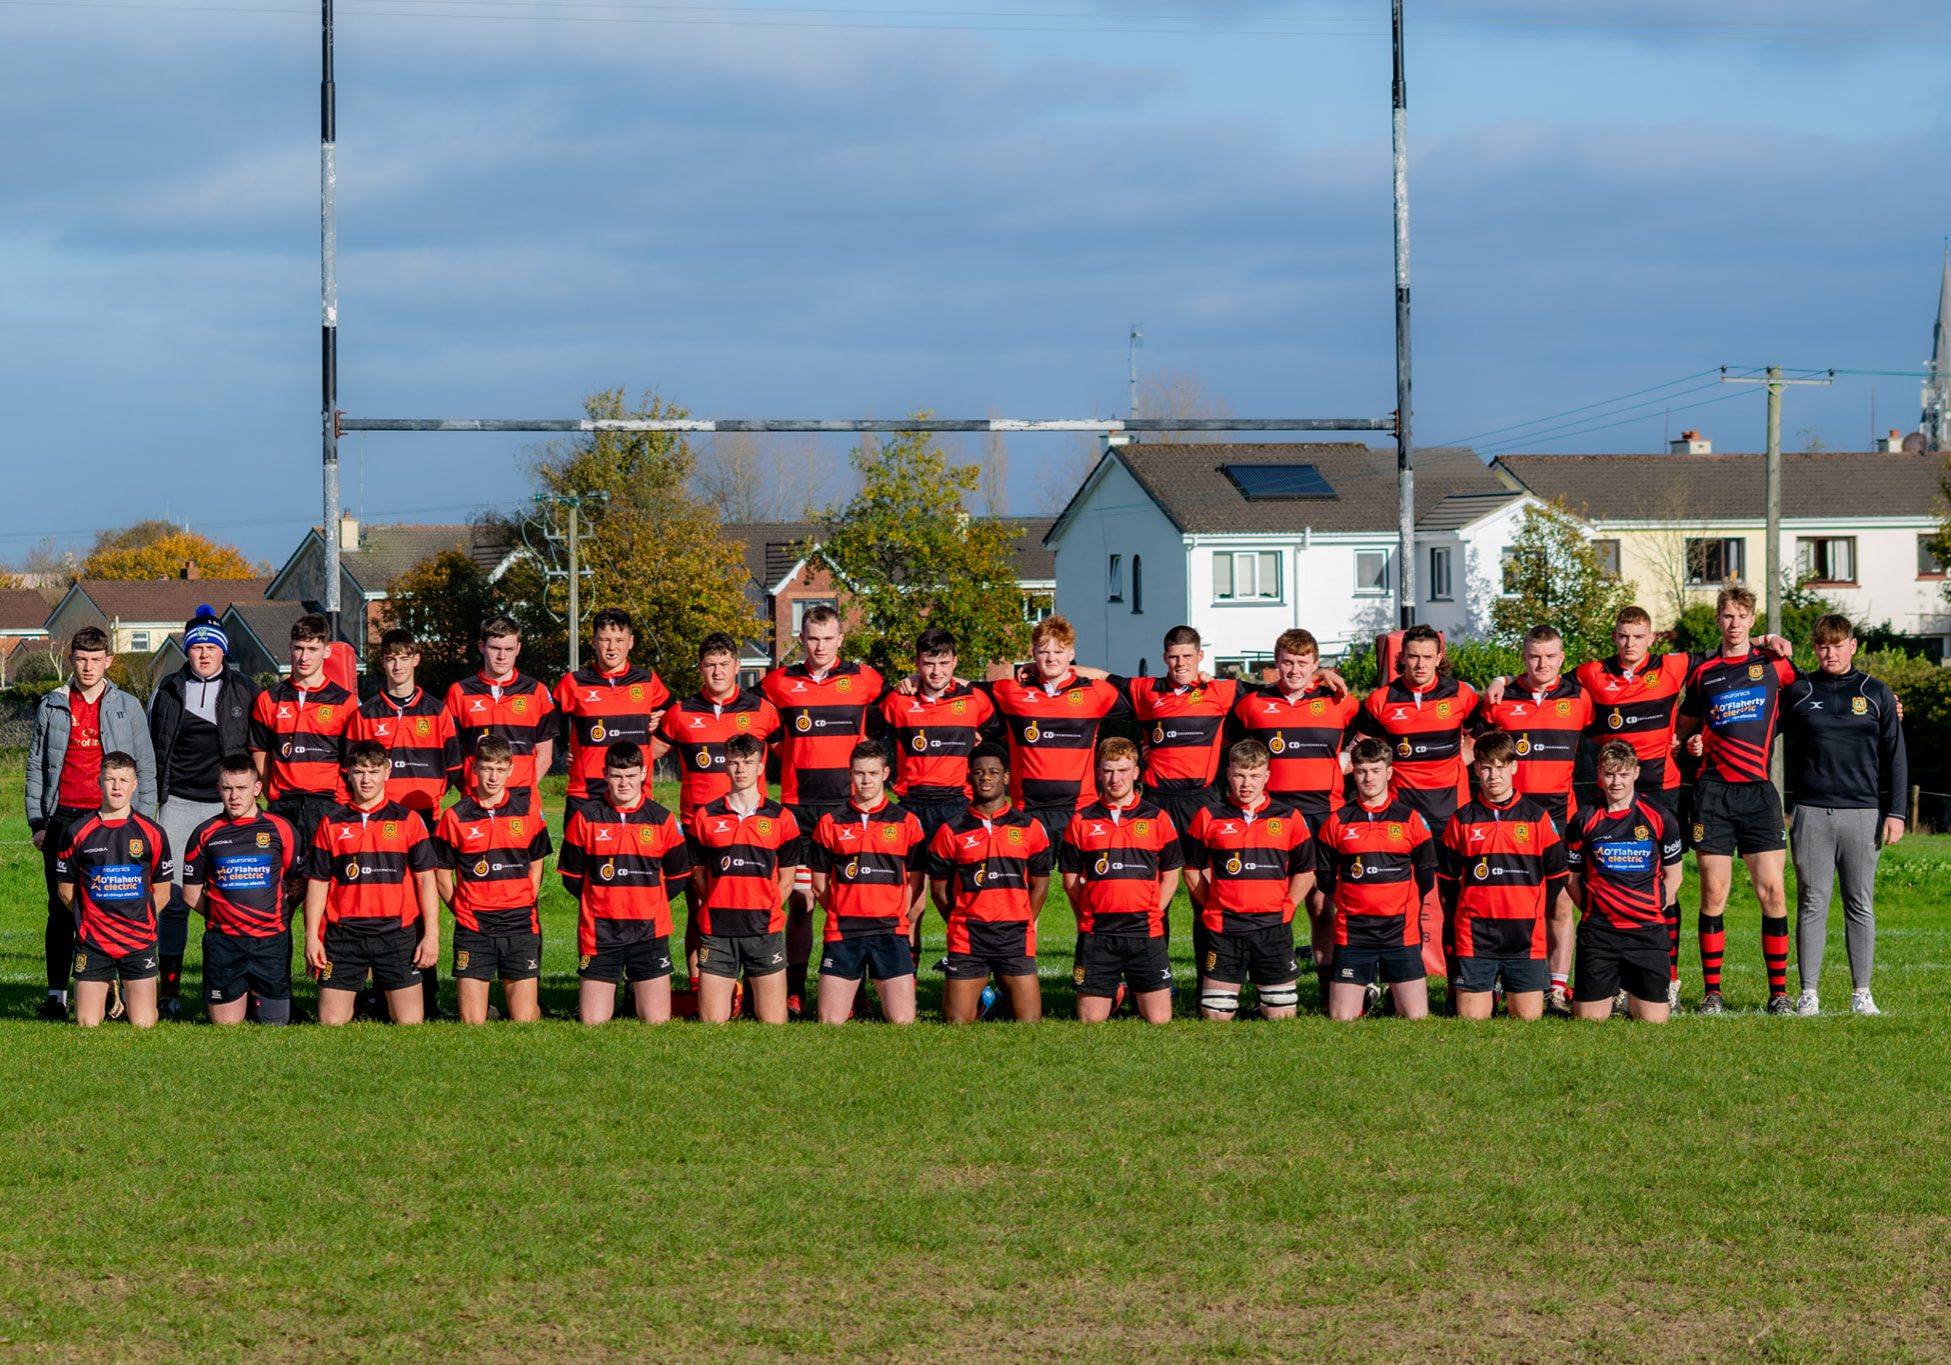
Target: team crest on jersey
x,y
1482,870
1700,831
264,839
1273,825
390,828
646,835
519,706
1395,830
1317,707
1754,672
803,722
744,721
1859,706
636,691
1077,697
460,960
515,826
325,713
765,825
958,707
135,848
1141,828
1015,835
1642,832
423,726
1615,720
844,685
889,833
1564,708
1443,709
1197,694
1521,832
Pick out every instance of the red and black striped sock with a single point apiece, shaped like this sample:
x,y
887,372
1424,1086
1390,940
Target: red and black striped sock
x,y
1774,950
1672,913
1713,946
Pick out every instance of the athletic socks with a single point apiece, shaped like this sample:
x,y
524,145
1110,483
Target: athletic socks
x,y
1774,951
171,985
1713,946
796,979
1672,913
59,997
1561,982
430,991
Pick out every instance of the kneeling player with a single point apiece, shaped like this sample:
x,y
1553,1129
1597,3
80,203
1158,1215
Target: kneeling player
x,y
1500,870
114,873
1120,861
749,848
234,873
369,883
866,865
489,849
1249,862
1624,866
988,870
621,855
1377,861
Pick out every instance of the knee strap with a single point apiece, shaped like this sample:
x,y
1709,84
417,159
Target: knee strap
x,y
1280,997
1220,1002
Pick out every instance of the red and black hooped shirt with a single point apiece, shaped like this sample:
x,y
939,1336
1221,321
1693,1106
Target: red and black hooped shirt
x,y
491,851
1378,862
370,859
870,858
1122,853
621,866
600,709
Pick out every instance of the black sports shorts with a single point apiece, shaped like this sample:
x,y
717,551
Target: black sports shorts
x,y
1263,956
1609,958
1364,966
881,956
1520,975
1141,962
95,963
755,955
387,954
1737,817
236,965
489,957
644,960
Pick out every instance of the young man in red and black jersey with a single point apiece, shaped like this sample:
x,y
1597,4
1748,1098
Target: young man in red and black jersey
x,y
1623,861
988,872
823,704
489,850
747,850
412,725
1729,718
696,729
1423,716
867,872
298,736
1376,859
1500,869
1120,859
1636,697
371,906
234,873
621,855
606,701
1182,714
1249,863
1303,718
500,700
114,873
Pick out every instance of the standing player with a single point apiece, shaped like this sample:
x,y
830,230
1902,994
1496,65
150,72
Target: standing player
x,y
370,880
988,871
621,855
499,700
1622,859
113,873
1500,871
606,701
1303,717
1545,714
823,705
234,873
298,738
1183,713
1249,862
1377,860
1120,860
748,848
1422,714
1734,696
1051,724
867,872
489,850
696,728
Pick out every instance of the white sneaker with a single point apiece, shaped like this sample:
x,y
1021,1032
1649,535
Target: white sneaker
x,y
1807,1005
1861,1002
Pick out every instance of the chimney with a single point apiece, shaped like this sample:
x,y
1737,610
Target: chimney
x,y
1891,444
190,571
1108,441
348,534
1690,443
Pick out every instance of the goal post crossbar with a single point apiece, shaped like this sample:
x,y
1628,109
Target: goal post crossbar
x,y
1106,425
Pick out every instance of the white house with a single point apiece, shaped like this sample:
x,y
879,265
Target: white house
x,y
1243,542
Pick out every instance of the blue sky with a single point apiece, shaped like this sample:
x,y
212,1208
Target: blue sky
x,y
903,204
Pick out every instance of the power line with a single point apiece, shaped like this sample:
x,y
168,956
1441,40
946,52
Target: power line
x,y
1607,426
1584,407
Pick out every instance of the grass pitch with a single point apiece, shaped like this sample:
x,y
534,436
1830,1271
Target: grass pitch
x,y
1744,1188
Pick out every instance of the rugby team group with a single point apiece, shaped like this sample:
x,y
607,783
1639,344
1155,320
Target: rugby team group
x,y
1423,830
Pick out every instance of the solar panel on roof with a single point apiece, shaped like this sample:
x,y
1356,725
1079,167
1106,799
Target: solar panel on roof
x,y
1269,482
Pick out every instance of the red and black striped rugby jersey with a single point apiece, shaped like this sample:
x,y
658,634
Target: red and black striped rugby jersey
x,y
302,733
871,859
491,850
1250,858
1426,731
1052,734
1304,736
1378,863
370,859
932,740
1640,707
115,867
1122,853
1504,863
241,866
621,866
1738,702
1184,728
600,709
740,856
419,734
698,728
520,710
984,866
821,719
1547,728
1621,858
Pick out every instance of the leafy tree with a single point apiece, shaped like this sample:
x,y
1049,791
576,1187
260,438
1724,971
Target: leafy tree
x,y
648,545
908,555
442,600
1553,578
163,556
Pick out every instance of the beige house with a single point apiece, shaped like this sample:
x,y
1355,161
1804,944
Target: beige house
x,y
140,616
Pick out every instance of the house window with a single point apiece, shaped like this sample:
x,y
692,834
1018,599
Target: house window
x,y
1371,573
1826,559
1137,585
1715,561
1928,564
1246,576
1114,577
802,605
139,642
1507,574
1439,573
1606,552
1037,605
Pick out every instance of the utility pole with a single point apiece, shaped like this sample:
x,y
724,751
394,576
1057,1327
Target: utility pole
x,y
1771,490
574,502
328,178
1405,455
1137,340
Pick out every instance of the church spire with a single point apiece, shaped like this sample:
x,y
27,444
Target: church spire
x,y
1935,424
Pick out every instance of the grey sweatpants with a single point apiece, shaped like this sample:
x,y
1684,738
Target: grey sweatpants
x,y
179,819
1826,840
